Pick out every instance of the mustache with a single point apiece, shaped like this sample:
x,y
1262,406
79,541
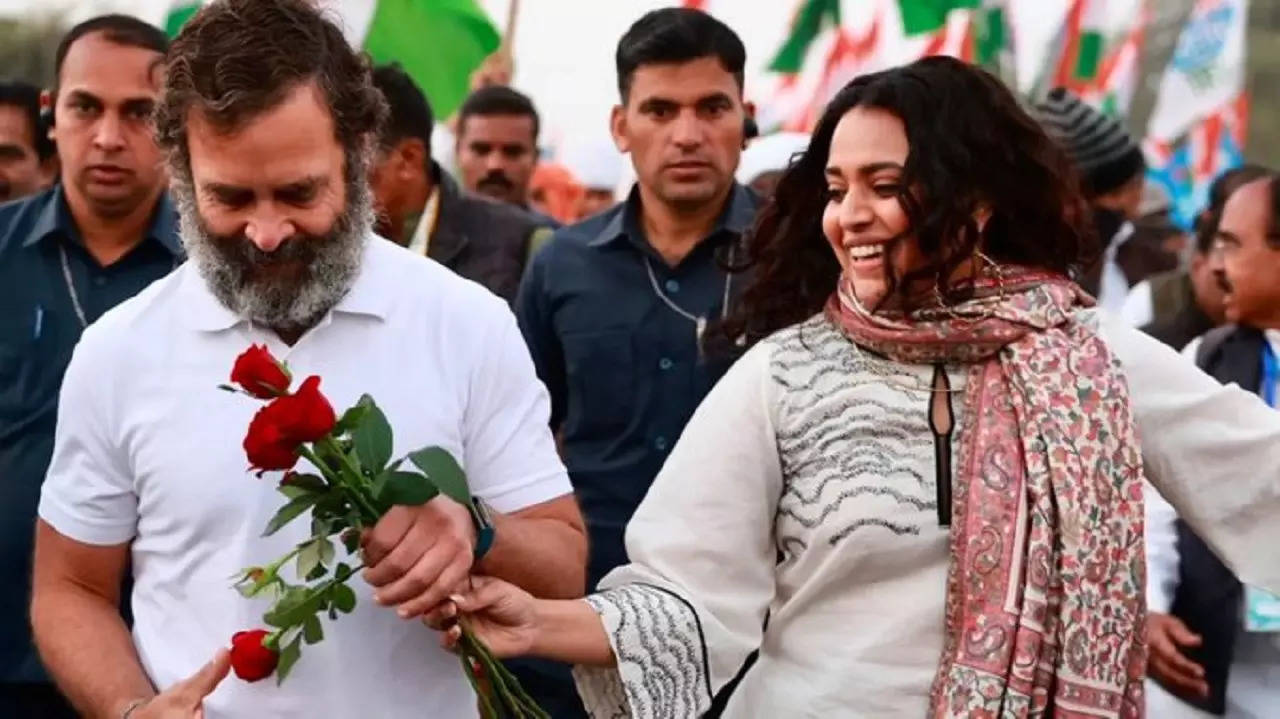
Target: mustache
x,y
498,179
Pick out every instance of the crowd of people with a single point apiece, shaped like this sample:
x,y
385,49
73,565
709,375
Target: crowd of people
x,y
930,411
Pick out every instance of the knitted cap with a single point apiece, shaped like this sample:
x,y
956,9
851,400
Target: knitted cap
x,y
1102,150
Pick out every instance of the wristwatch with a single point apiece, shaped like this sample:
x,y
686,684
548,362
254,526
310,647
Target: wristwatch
x,y
482,518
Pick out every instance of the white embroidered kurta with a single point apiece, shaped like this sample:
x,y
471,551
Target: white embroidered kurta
x,y
802,494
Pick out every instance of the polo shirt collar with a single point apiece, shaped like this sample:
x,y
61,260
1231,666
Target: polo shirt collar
x,y
624,224
55,219
367,295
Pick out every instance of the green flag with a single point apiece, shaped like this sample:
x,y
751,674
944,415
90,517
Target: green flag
x,y
924,16
180,12
807,26
989,34
438,42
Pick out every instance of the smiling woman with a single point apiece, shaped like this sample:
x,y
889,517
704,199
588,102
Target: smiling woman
x,y
919,491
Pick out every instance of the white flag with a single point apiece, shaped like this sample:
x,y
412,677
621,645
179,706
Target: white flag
x,y
1207,69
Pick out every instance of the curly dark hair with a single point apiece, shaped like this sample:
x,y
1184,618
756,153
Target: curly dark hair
x,y
971,147
236,59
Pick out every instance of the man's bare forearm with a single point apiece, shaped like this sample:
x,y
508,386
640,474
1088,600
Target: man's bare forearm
x,y
75,619
545,557
87,648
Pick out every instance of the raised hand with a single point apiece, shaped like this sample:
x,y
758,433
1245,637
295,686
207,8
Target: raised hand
x,y
185,699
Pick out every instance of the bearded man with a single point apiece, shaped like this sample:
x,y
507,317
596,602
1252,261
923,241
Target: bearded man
x,y
268,119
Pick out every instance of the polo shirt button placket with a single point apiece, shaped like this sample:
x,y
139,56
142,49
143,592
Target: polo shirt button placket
x,y
673,286
660,444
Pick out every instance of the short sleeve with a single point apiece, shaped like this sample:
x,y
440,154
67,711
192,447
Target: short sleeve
x,y
509,454
88,493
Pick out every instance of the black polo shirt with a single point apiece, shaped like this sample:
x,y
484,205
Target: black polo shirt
x,y
39,326
623,366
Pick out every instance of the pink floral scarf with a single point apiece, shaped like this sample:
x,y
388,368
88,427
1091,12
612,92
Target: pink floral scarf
x,y
1046,589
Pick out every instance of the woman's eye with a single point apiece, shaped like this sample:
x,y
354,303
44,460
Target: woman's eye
x,y
835,194
886,189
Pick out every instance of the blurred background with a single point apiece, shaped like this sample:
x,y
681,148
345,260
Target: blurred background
x,y
1195,78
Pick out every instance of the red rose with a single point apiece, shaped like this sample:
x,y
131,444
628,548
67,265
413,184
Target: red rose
x,y
250,658
260,374
266,445
305,416
288,421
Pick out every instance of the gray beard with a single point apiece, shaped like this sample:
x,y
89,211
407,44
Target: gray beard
x,y
226,263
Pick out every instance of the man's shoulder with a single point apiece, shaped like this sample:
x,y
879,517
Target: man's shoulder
x,y
18,218
421,281
140,322
580,235
492,215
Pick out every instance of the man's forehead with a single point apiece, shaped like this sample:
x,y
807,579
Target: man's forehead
x,y
497,128
683,82
15,127
1248,206
101,67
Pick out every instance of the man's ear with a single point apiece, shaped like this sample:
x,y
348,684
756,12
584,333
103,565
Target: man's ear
x,y
414,155
618,128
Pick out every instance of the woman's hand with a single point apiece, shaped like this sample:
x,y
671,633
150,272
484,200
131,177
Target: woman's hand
x,y
498,613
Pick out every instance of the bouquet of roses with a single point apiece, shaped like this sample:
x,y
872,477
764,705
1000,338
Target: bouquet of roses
x,y
357,482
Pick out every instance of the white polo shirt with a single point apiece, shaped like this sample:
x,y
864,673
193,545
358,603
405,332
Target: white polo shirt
x,y
149,450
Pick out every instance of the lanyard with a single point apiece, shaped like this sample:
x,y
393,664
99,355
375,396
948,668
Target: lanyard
x,y
1270,374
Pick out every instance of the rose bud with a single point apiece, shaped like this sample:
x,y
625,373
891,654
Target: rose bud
x,y
260,374
251,659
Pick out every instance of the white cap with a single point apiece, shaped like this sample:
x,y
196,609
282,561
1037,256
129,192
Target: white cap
x,y
769,153
596,164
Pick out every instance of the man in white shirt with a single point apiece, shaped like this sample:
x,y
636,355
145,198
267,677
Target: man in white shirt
x,y
268,117
1215,643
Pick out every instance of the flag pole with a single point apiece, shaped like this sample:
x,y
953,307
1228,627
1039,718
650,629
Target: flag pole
x,y
509,32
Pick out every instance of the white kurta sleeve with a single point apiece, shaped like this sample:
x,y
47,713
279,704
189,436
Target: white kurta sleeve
x,y
1212,451
684,615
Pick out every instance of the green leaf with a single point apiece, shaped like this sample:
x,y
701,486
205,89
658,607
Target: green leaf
x,y
373,438
344,598
321,523
342,572
288,636
308,482
288,657
309,558
327,552
288,512
311,630
408,488
351,419
292,492
444,472
380,481
286,614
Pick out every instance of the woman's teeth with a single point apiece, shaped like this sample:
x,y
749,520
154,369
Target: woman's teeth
x,y
866,252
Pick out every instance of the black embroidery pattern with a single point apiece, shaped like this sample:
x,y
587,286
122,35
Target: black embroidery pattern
x,y
661,654
851,431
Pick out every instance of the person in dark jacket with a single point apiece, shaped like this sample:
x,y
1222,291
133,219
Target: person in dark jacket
x,y
421,207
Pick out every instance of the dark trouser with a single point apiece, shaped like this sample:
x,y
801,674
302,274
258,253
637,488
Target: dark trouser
x,y
33,701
